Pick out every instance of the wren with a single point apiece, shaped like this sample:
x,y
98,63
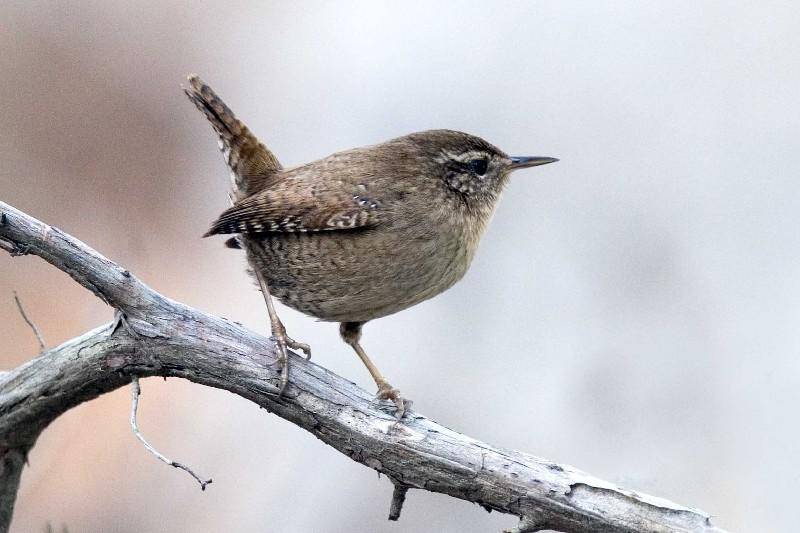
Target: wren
x,y
360,234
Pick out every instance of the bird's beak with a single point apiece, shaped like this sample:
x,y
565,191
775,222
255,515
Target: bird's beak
x,y
518,162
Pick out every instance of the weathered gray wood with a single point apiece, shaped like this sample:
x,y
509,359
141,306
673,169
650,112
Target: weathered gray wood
x,y
155,336
12,461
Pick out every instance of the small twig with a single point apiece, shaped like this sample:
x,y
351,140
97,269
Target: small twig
x,y
398,499
135,392
36,331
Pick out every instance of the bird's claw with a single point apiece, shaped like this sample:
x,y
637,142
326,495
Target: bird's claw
x,y
387,392
283,363
283,342
303,347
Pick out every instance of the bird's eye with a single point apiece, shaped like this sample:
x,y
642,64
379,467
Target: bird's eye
x,y
479,166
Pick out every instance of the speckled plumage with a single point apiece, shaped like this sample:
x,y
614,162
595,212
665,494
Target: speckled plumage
x,y
362,233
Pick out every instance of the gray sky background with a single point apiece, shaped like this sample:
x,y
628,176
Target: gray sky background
x,y
633,310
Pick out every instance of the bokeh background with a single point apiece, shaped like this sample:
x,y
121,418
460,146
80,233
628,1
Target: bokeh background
x,y
633,309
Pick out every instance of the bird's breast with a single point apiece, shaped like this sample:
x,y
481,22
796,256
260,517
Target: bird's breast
x,y
362,275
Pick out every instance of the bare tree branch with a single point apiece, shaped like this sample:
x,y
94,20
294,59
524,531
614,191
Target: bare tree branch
x,y
30,322
136,391
161,337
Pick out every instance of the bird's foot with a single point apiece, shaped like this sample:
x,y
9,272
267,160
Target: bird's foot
x,y
387,392
283,341
303,347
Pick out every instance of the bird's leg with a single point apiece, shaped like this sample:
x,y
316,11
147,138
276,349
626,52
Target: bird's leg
x,y
279,334
351,334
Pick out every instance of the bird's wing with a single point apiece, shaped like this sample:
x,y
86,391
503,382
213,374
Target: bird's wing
x,y
289,208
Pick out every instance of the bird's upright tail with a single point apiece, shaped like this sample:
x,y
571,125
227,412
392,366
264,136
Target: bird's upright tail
x,y
251,163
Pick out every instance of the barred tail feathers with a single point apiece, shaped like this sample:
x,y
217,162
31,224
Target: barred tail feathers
x,y
251,163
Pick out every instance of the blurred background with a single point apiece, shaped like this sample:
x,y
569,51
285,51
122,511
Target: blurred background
x,y
633,310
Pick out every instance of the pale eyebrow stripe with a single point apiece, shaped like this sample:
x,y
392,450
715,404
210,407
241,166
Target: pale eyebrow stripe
x,y
466,156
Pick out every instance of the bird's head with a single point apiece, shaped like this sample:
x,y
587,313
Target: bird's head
x,y
469,166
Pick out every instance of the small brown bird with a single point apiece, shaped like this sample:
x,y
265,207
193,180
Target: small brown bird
x,y
360,234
